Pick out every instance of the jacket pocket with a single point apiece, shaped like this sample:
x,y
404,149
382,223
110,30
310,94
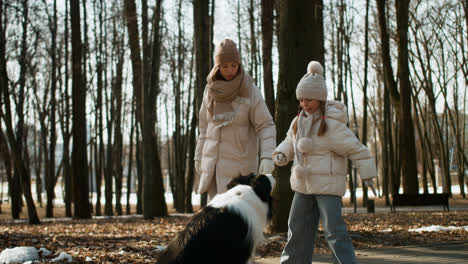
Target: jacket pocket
x,y
339,164
318,164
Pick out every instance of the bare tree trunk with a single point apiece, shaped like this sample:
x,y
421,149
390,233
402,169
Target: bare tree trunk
x,y
117,147
22,176
108,165
130,158
100,69
390,83
189,139
296,50
19,157
391,86
177,139
191,167
407,154
79,158
154,203
267,43
14,187
66,128
4,150
138,81
133,37
203,50
465,8
253,43
239,28
38,167
364,88
422,149
50,169
139,163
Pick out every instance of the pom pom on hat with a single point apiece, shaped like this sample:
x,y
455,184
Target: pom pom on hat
x,y
312,85
315,67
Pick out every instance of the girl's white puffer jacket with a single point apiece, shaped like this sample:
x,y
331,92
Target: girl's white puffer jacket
x,y
324,158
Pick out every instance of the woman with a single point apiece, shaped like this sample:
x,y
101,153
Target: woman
x,y
235,125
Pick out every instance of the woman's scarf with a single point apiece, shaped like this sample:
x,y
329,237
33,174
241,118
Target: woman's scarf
x,y
221,93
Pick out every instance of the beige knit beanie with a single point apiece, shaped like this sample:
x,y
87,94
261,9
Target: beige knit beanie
x,y
226,51
312,85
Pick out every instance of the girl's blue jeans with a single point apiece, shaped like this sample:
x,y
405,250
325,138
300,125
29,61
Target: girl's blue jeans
x,y
306,211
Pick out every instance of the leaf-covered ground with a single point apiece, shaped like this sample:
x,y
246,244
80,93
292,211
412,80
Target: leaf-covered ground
x,y
135,240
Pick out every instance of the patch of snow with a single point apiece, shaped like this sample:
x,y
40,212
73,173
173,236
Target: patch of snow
x,y
18,254
386,230
276,238
160,248
438,228
62,256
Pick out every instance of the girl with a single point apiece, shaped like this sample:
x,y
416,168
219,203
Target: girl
x,y
320,143
233,120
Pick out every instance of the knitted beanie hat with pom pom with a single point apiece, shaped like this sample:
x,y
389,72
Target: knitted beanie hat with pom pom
x,y
312,85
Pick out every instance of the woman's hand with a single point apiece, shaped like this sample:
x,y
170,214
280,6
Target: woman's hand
x,y
266,166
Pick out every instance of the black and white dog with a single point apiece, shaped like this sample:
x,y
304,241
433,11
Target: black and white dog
x,y
229,228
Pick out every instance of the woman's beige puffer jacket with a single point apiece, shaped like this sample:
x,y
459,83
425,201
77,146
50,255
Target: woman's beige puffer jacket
x,y
324,166
232,150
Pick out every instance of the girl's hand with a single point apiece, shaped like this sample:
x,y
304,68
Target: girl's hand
x,y
370,184
280,159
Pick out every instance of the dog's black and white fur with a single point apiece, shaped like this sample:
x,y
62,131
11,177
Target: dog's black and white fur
x,y
229,228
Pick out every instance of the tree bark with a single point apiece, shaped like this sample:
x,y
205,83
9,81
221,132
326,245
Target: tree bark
x,y
130,159
118,137
16,141
65,123
139,163
108,165
202,48
203,51
267,43
253,43
390,83
177,139
154,203
133,38
391,86
295,51
364,91
50,175
407,148
79,155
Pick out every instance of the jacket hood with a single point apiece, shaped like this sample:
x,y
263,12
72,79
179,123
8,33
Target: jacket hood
x,y
338,111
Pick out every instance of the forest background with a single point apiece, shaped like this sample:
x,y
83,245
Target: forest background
x,y
101,98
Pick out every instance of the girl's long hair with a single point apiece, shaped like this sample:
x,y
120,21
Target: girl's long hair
x,y
323,124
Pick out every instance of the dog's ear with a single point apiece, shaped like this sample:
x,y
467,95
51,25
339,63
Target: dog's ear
x,y
262,187
241,180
